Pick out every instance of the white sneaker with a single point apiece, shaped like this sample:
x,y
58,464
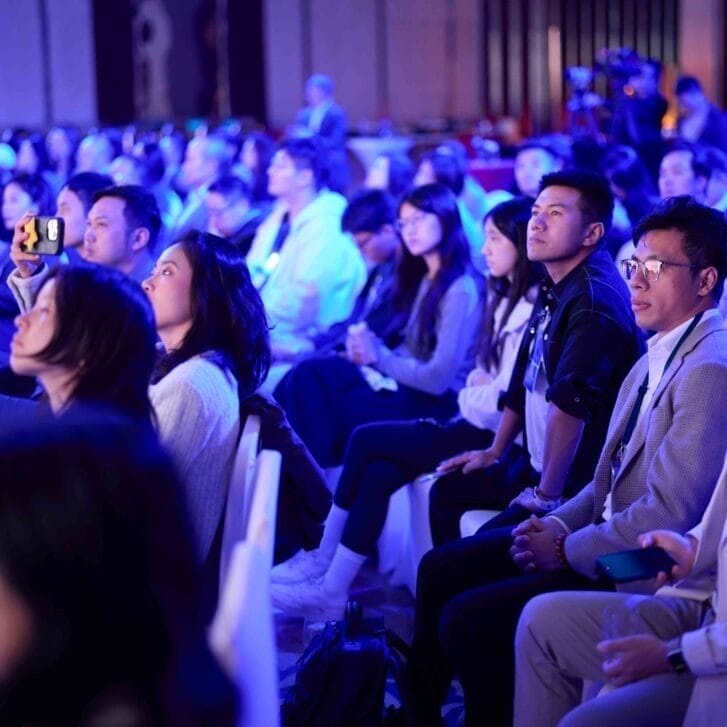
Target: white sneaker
x,y
303,566
309,599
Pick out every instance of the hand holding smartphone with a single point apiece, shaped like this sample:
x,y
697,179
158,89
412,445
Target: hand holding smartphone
x,y
635,565
44,235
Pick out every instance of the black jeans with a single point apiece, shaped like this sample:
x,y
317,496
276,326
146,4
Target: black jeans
x,y
469,598
326,398
381,458
489,489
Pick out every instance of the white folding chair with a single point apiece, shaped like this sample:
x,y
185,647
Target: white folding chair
x,y
418,537
239,493
264,506
242,636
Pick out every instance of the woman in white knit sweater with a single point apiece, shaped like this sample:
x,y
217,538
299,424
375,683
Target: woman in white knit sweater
x,y
212,325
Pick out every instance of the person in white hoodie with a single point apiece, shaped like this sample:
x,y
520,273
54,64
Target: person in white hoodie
x,y
307,270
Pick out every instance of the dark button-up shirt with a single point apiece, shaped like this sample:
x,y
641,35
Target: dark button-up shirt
x,y
590,344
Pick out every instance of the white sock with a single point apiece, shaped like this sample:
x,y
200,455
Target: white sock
x,y
332,531
345,565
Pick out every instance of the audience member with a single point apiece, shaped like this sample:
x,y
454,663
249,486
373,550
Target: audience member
x,y
24,195
472,195
205,159
307,270
369,220
325,119
61,143
534,159
630,182
99,592
327,398
88,338
671,674
231,212
211,323
444,168
381,458
73,205
682,171
700,122
569,366
391,172
256,155
716,192
673,401
95,153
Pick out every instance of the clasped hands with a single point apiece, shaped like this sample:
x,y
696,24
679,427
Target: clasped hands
x,y
361,345
533,546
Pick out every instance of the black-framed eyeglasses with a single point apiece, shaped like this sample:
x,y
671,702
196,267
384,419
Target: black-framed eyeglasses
x,y
650,269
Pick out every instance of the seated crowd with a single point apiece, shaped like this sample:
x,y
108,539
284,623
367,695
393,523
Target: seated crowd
x,y
554,352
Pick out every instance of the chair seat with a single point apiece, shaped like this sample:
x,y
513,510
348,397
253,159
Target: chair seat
x,y
473,520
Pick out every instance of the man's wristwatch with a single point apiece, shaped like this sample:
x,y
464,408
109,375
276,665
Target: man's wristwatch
x,y
676,660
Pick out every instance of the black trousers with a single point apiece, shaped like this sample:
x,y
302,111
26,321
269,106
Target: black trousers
x,y
469,598
381,458
326,398
490,489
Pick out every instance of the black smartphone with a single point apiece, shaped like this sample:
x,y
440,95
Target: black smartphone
x,y
45,235
634,565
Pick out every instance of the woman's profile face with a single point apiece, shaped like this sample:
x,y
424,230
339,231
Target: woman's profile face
x,y
35,329
499,251
16,629
169,288
421,231
16,202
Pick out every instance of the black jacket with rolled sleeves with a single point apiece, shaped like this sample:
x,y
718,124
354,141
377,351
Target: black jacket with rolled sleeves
x,y
591,343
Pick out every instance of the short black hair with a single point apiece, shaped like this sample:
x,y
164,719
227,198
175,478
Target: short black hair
x,y
704,230
306,153
140,210
699,162
368,211
86,184
596,198
231,188
688,84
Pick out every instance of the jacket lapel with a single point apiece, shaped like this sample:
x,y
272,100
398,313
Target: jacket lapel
x,y
638,439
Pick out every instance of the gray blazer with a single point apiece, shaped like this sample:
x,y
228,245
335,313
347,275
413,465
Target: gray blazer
x,y
670,466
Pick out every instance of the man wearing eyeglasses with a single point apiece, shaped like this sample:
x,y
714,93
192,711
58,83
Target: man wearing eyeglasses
x,y
657,469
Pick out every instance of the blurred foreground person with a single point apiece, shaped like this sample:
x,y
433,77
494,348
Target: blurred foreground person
x,y
97,594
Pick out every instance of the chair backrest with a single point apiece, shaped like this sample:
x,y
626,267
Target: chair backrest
x,y
242,636
239,493
264,508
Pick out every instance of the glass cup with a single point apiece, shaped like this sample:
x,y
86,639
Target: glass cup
x,y
619,621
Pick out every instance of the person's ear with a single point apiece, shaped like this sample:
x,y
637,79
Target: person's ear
x,y
594,234
139,239
707,281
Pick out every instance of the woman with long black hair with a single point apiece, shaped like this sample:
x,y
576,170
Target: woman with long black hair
x,y
327,398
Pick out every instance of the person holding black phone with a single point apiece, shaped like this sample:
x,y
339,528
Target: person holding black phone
x,y
674,673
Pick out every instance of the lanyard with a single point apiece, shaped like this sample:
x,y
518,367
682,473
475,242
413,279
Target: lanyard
x,y
645,384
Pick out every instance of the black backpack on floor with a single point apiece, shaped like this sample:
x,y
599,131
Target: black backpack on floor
x,y
341,677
